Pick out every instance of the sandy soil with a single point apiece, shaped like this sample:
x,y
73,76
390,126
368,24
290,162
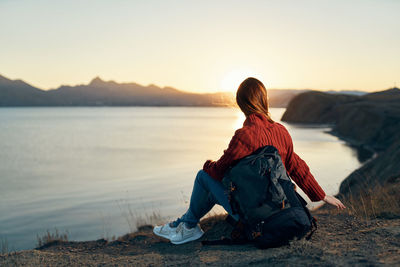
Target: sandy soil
x,y
341,240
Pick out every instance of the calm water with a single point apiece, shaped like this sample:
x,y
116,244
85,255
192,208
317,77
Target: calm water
x,y
94,171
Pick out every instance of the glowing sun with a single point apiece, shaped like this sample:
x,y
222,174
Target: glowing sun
x,y
231,80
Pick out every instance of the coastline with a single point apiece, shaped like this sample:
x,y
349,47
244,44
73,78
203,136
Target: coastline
x,y
365,153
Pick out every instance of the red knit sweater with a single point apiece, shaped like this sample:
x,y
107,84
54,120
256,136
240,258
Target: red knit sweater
x,y
257,132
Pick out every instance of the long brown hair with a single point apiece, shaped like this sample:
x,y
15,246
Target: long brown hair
x,y
252,97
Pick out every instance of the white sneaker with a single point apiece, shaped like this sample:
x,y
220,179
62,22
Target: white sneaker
x,y
184,234
165,230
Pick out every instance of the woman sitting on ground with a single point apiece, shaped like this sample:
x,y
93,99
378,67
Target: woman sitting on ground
x,y
258,131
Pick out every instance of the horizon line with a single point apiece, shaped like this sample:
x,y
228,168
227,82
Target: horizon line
x,y
188,91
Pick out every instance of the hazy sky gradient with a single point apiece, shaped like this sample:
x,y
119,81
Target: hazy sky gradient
x,y
203,46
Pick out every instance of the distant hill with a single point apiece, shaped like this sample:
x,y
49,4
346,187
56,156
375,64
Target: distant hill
x,y
110,93
105,93
280,98
347,92
17,92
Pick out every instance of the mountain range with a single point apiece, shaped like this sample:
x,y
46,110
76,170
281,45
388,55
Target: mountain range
x,y
109,93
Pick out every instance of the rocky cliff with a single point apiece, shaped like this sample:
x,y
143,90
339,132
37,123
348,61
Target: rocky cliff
x,y
370,122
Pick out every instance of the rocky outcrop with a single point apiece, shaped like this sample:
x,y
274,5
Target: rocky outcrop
x,y
369,122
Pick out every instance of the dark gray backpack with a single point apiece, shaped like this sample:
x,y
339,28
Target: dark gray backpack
x,y
271,211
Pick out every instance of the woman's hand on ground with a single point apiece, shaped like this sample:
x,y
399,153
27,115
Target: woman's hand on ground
x,y
334,201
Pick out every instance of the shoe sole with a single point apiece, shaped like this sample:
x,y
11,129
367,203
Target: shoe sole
x,y
161,235
193,238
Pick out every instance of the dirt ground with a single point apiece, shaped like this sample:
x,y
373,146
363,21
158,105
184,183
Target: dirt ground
x,y
341,240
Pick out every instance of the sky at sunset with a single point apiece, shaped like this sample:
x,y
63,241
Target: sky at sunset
x,y
203,46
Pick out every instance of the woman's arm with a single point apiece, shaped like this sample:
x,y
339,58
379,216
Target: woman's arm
x,y
300,172
236,150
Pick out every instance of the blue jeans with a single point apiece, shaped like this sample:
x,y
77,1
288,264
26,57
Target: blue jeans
x,y
206,193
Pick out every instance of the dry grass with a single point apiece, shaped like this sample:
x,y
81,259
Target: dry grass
x,y
153,218
381,201
4,246
136,219
50,237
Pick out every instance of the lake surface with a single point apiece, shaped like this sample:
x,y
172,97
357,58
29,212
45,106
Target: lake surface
x,y
96,171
